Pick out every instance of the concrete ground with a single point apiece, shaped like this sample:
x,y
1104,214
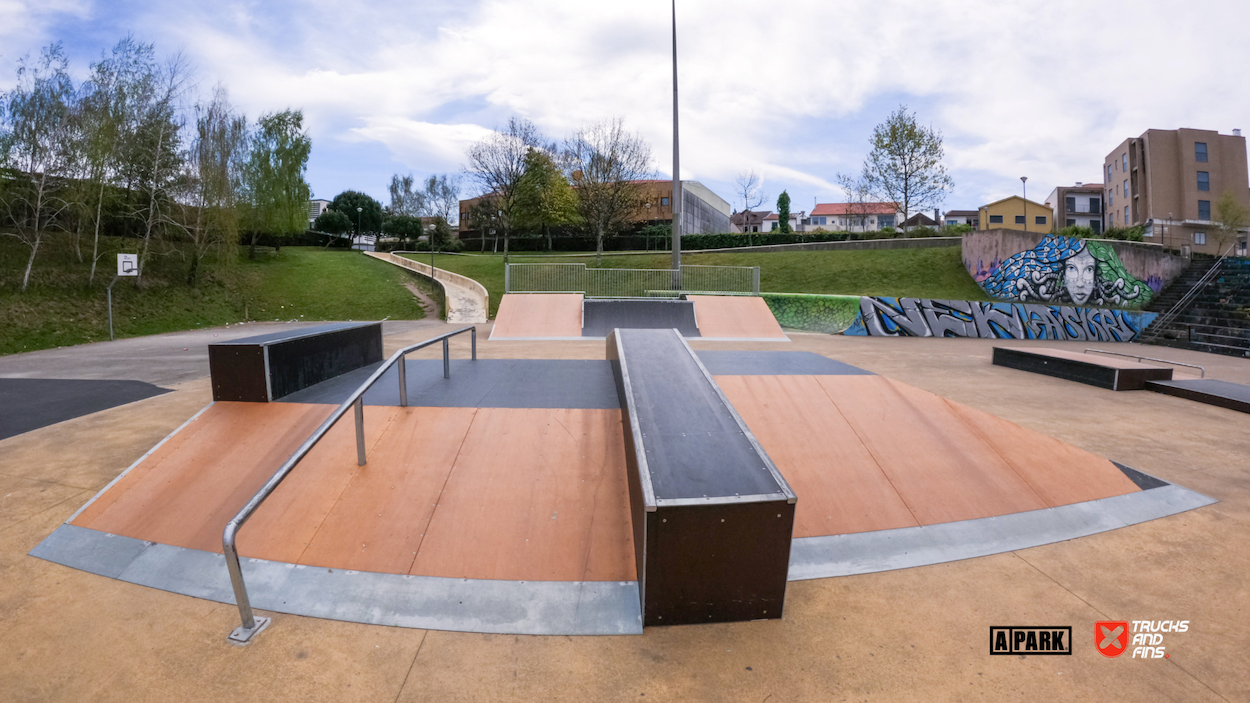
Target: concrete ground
x,y
912,635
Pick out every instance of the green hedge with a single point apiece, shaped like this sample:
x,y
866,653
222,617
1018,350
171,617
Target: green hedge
x,y
831,314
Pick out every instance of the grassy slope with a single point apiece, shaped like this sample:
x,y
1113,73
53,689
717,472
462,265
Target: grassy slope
x,y
295,283
921,273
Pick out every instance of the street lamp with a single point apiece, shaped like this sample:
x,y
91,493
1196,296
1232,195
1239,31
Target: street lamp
x,y
648,207
1024,180
358,211
505,239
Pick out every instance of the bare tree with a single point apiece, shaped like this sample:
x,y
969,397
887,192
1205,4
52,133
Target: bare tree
x,y
905,164
497,164
748,189
857,193
442,197
34,140
606,162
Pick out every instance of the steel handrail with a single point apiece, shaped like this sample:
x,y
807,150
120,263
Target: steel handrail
x,y
1170,316
1202,371
252,624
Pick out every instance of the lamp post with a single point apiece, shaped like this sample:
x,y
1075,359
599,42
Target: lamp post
x,y
358,232
648,207
505,239
675,200
1024,180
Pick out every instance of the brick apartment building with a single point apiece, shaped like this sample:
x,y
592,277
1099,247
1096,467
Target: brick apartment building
x,y
1169,181
1079,205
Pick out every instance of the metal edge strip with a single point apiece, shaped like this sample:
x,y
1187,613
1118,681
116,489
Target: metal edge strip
x,y
396,600
138,461
347,326
887,550
759,450
644,469
724,500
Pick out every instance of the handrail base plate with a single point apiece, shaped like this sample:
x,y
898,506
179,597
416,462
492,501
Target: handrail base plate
x,y
243,635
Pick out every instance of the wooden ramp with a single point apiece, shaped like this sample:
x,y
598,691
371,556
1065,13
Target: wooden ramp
x,y
736,318
490,493
529,316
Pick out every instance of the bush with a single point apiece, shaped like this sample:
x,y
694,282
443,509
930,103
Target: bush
x,y
1127,234
956,230
1076,232
923,232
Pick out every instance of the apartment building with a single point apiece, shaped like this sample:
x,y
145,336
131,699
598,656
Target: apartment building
x,y
315,208
1169,181
1079,205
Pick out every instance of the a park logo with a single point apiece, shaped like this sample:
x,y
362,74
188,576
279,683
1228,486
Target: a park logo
x,y
1031,640
1111,637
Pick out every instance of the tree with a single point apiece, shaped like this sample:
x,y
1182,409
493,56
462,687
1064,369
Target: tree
x,y
34,138
544,197
857,192
606,162
213,180
748,189
783,212
497,164
404,200
441,236
275,176
905,164
405,228
1233,217
332,222
369,219
105,112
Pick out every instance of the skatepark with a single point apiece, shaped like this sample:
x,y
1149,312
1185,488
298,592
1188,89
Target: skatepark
x,y
826,489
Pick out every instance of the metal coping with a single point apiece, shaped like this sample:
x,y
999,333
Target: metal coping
x,y
280,337
396,600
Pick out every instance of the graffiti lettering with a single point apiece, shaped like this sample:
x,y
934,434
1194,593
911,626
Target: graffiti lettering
x,y
922,317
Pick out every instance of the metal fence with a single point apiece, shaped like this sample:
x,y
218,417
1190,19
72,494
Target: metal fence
x,y
630,283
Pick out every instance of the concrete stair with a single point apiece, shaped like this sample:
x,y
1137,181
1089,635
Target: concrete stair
x,y
1215,319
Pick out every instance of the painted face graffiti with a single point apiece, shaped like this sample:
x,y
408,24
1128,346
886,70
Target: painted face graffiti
x,y
1078,276
1067,270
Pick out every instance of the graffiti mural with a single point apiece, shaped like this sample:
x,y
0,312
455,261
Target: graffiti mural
x,y
1065,270
921,317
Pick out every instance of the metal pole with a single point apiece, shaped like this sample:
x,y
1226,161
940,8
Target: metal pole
x,y
507,278
473,336
110,290
403,382
676,197
360,430
446,359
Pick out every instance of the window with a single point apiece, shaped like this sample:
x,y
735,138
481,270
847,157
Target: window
x,y
776,225
1039,220
1204,180
1124,163
1095,205
1096,226
1019,219
1126,216
1108,173
1070,202
1200,238
1200,152
1126,189
1111,219
663,202
822,221
996,219
1110,198
1204,210
1071,222
884,221
952,222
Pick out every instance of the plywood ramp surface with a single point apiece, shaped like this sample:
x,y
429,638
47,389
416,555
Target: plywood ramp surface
x,y
532,315
875,453
534,495
186,491
735,317
841,487
1106,360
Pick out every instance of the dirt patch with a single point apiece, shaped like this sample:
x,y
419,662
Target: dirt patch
x,y
427,303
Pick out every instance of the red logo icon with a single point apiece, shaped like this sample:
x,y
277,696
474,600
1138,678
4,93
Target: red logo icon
x,y
1111,638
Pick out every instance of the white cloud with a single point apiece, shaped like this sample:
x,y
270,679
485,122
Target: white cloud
x,y
1042,88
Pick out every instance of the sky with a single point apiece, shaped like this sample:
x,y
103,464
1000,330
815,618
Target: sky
x,y
790,88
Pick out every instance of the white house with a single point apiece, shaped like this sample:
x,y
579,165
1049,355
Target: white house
x,y
854,217
315,208
772,221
